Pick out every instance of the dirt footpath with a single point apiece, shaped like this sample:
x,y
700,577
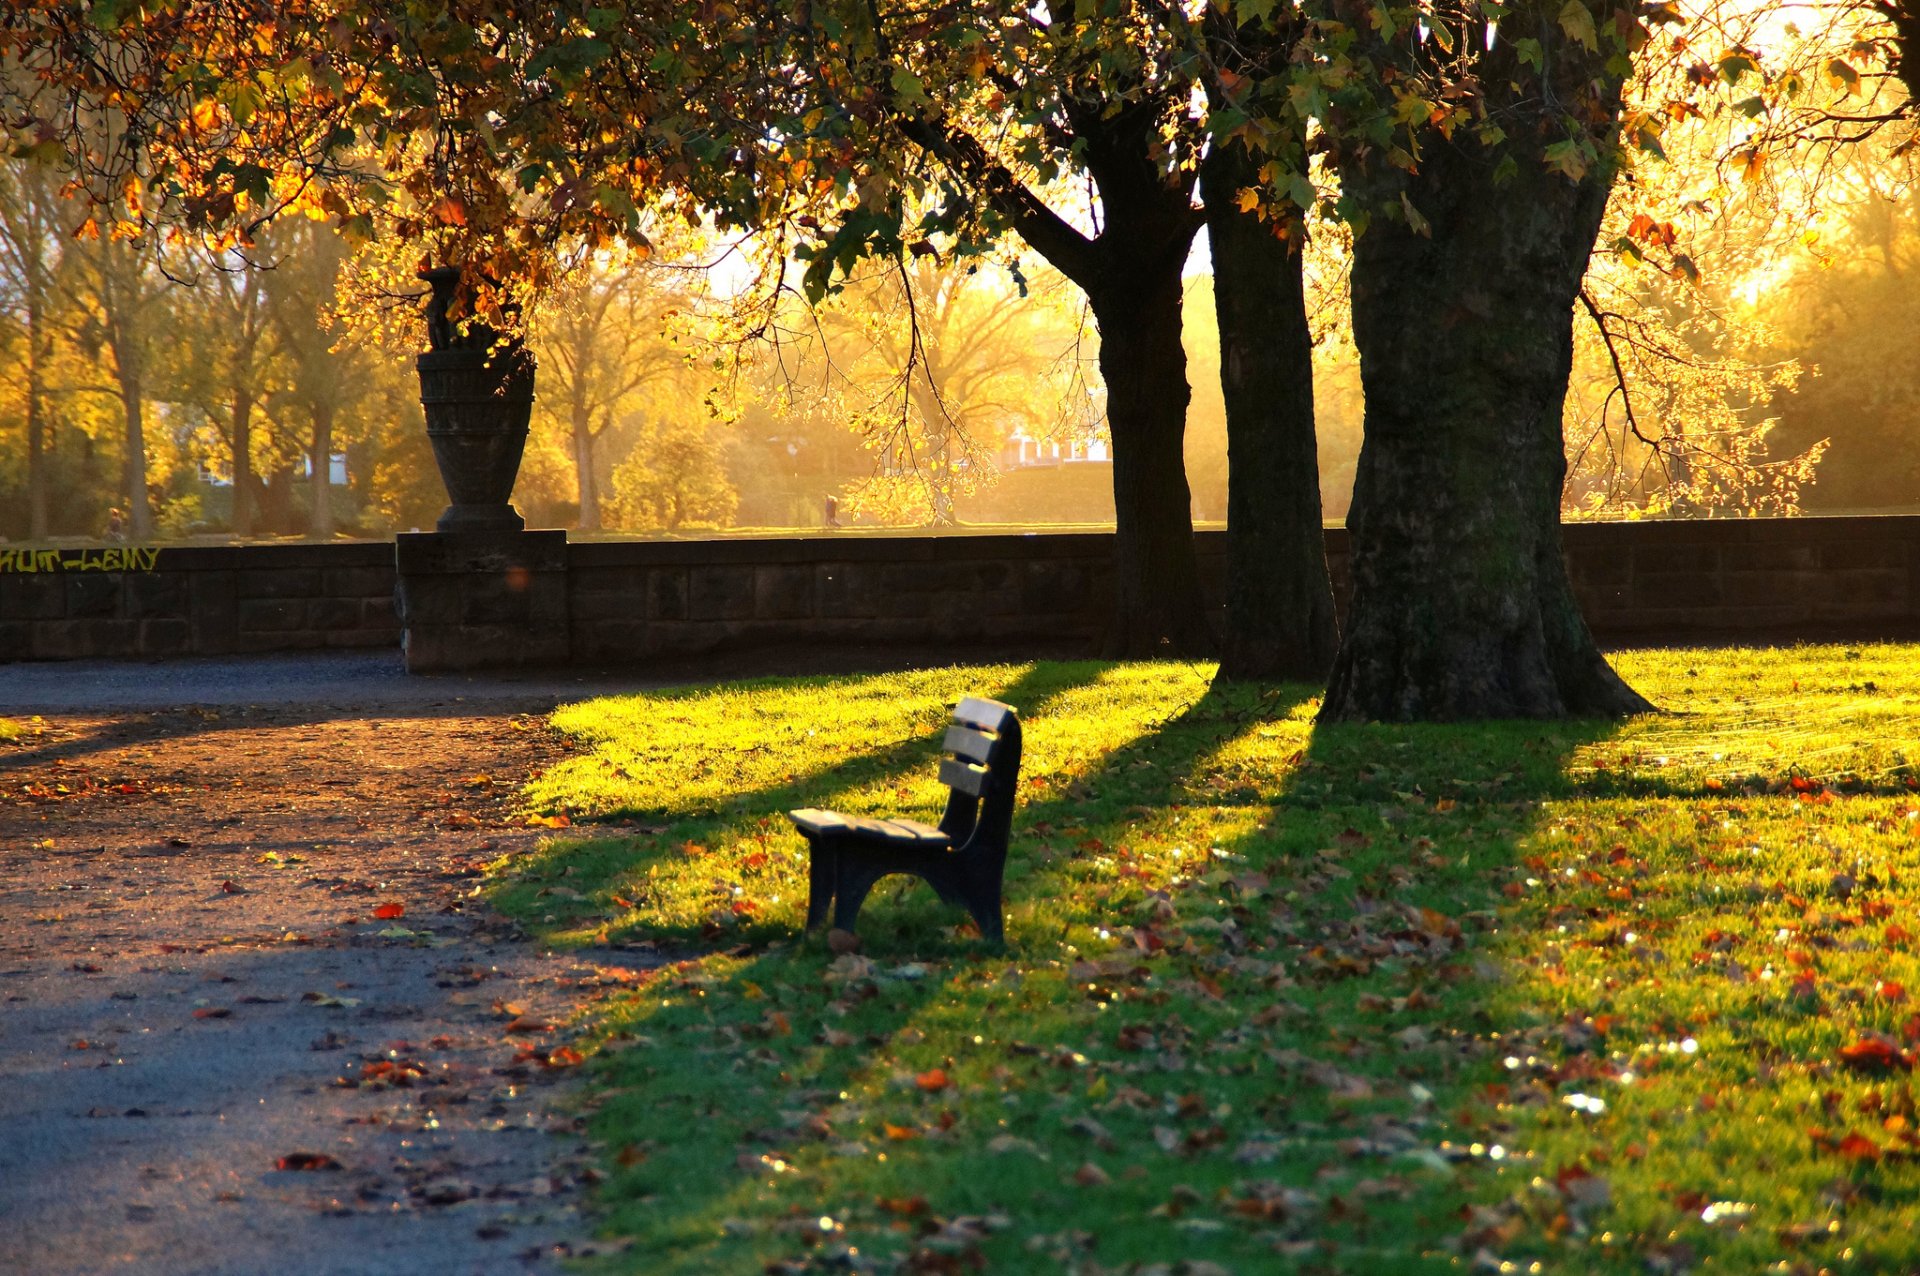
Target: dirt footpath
x,y
254,1016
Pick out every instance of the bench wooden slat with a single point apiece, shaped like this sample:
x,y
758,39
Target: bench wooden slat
x,y
989,715
969,779
974,746
812,820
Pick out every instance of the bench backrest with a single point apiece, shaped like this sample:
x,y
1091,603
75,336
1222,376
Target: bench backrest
x,y
982,767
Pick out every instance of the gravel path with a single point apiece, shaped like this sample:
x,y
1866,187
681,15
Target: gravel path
x,y
253,1016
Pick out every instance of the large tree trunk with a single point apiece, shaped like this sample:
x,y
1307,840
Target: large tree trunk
x,y
1280,619
1461,603
320,517
1158,607
589,484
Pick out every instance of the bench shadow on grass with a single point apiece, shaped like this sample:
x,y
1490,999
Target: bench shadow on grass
x,y
598,866
1320,851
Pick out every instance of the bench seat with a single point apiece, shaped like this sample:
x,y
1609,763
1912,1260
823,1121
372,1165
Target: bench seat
x,y
898,831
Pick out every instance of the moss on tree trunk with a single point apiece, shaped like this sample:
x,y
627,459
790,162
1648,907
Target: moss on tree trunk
x,y
1461,603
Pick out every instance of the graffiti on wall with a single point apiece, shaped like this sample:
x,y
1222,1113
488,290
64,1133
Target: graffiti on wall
x,y
129,558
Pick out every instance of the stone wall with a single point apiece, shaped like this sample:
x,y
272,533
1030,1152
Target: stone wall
x,y
137,603
604,603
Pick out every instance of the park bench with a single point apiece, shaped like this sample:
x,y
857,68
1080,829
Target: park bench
x,y
963,859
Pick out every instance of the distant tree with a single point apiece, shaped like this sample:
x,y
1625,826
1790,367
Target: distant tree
x,y
675,477
602,341
123,306
32,238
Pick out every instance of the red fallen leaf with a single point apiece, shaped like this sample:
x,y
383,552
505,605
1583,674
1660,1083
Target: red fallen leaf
x,y
1858,1147
527,1026
564,1057
899,1133
307,1161
389,912
1897,934
933,1080
231,887
212,1012
1874,1054
904,1206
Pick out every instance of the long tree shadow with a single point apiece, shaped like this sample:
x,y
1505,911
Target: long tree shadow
x,y
1290,894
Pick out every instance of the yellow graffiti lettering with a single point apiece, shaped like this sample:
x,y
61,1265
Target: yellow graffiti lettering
x,y
134,558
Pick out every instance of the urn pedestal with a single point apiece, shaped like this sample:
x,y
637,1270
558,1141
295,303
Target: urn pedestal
x,y
482,600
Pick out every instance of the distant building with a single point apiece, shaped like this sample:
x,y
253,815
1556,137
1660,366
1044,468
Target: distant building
x,y
1023,451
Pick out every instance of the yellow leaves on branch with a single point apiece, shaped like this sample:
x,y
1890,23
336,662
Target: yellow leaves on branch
x,y
1577,21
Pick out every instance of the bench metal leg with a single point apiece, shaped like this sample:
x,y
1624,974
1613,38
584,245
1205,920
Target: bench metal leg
x,y
823,866
854,881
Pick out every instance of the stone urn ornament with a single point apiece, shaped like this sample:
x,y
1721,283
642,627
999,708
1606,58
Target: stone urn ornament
x,y
476,387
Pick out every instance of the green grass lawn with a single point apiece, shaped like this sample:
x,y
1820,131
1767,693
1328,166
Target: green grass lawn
x,y
1591,996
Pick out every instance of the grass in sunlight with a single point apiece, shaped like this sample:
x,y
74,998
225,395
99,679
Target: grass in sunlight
x,y
1597,996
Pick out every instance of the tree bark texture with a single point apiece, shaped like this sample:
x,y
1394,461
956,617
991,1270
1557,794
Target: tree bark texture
x,y
1158,606
1279,619
1461,605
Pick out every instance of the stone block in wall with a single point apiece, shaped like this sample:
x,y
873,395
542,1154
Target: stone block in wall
x,y
84,639
453,647
165,636
686,638
154,595
430,599
213,611
279,582
782,592
1771,589
360,638
719,593
32,597
609,641
93,594
606,606
357,582
1863,594
1668,556
16,640
667,593
1849,555
377,616
253,642
1763,557
272,615
850,590
1657,589
333,613
1053,587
